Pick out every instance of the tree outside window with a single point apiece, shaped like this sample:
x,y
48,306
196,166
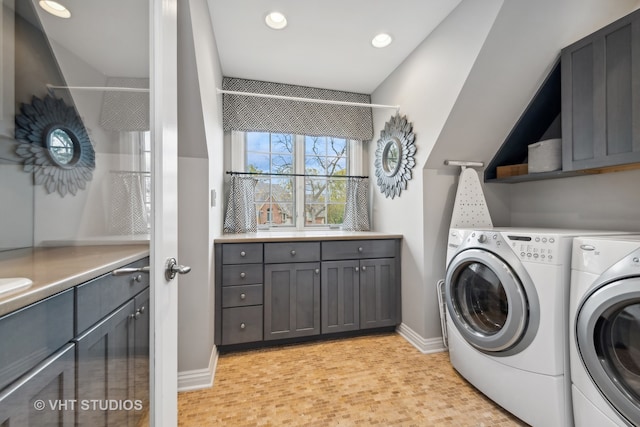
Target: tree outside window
x,y
322,197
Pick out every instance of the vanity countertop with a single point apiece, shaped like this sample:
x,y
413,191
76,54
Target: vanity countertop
x,y
55,269
282,236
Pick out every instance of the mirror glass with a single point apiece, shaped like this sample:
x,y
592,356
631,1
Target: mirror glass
x,y
60,145
391,157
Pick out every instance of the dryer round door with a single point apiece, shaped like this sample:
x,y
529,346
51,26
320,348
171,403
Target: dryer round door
x,y
486,301
608,339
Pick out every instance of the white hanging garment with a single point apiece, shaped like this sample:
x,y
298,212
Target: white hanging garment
x,y
470,207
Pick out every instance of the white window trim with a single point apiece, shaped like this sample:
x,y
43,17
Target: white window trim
x,y
238,164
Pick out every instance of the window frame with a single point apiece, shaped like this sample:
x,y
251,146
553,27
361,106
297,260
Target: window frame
x,y
238,163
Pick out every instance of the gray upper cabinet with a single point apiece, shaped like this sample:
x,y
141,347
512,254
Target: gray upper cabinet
x,y
601,97
291,300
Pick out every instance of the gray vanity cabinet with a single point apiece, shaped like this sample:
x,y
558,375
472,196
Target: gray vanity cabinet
x,y
601,97
112,356
340,296
291,300
50,384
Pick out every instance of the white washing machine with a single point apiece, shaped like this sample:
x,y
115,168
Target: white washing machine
x,y
605,331
507,295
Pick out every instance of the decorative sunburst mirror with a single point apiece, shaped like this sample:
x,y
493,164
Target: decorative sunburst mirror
x,y
395,156
55,145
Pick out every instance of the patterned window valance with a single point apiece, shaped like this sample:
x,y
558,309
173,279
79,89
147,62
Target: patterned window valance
x,y
245,113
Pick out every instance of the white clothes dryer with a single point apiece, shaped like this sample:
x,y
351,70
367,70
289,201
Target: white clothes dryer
x,y
507,295
604,331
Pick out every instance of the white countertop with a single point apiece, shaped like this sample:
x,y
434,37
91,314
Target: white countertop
x,y
55,269
280,236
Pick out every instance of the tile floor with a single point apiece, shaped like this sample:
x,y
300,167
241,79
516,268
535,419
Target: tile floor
x,y
370,380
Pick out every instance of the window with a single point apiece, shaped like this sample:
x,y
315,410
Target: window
x,y
282,200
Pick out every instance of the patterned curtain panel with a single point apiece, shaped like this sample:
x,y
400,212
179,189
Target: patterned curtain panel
x,y
241,208
247,113
125,110
356,209
128,210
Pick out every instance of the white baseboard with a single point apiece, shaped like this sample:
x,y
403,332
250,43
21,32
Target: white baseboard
x,y
425,345
199,378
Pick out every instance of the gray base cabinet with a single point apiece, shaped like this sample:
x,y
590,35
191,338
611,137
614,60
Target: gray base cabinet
x,y
291,300
340,296
45,396
378,293
112,365
281,290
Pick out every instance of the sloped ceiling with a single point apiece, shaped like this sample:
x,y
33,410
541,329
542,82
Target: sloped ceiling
x,y
518,53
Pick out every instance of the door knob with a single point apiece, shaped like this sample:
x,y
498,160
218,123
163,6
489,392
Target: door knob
x,y
173,268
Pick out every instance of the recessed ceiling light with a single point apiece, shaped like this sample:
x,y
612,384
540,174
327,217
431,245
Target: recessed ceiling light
x,y
276,20
381,40
55,8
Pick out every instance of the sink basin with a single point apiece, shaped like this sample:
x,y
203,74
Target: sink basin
x,y
14,284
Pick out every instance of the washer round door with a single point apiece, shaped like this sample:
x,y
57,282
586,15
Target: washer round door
x,y
608,338
486,301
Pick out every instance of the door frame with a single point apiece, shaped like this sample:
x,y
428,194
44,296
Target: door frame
x,y
163,346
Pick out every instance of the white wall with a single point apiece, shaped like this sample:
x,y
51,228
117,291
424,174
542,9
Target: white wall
x,y
426,86
609,202
199,172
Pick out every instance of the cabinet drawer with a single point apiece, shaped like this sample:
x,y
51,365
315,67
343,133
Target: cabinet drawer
x,y
356,249
241,274
241,324
241,253
99,297
275,253
33,333
240,296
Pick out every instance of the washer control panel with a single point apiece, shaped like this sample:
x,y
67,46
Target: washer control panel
x,y
540,248
536,248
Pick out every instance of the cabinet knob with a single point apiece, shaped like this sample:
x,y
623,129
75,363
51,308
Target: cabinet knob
x,y
243,275
142,309
242,326
357,269
243,253
360,249
293,253
135,315
243,296
364,267
317,271
138,278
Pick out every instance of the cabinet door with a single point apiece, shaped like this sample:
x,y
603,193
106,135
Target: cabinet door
x,y
340,293
379,293
104,364
45,396
292,300
601,97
